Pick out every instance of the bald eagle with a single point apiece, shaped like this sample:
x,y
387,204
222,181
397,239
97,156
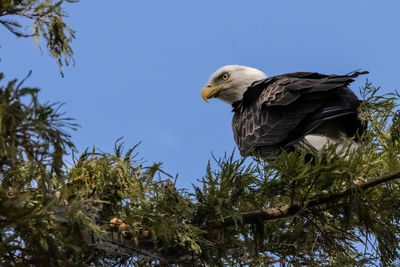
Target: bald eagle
x,y
279,112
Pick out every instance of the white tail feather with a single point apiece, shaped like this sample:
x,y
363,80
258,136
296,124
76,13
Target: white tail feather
x,y
320,141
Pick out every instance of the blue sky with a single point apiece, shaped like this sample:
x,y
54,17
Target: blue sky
x,y
140,65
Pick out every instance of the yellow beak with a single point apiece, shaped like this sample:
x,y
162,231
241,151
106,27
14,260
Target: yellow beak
x,y
209,91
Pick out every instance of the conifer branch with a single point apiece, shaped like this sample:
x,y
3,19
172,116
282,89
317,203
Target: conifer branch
x,y
110,209
118,245
275,213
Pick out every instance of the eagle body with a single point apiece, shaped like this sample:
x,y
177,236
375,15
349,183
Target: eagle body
x,y
281,111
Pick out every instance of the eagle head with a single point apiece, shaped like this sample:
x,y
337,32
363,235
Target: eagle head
x,y
230,82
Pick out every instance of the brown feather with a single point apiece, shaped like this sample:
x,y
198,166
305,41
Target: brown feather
x,y
278,111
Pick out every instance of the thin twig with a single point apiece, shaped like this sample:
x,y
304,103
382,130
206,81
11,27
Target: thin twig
x,y
10,26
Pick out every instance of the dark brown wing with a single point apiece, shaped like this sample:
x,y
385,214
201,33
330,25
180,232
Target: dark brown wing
x,y
276,112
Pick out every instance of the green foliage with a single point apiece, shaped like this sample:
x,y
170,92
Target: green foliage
x,y
33,142
57,214
31,132
112,209
361,228
48,211
47,21
118,186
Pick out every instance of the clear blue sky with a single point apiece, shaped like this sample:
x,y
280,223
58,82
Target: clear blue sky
x,y
140,65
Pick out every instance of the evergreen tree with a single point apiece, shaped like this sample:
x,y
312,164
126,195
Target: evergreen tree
x,y
111,209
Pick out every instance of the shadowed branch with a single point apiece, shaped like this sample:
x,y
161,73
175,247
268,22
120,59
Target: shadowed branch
x,y
275,213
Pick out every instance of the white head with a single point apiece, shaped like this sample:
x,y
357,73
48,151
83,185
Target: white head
x,y
230,82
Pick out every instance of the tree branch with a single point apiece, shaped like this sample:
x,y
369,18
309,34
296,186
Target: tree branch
x,y
11,26
268,214
117,244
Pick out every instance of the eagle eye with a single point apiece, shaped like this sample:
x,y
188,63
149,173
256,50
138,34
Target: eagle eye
x,y
225,76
